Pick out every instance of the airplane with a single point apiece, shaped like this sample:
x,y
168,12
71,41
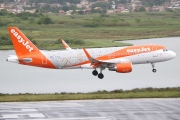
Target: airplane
x,y
119,59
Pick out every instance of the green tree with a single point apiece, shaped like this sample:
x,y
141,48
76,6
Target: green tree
x,y
3,12
5,40
5,22
95,22
153,2
55,1
24,17
37,11
103,5
137,20
41,20
81,12
101,11
73,7
65,8
142,9
92,0
31,20
45,20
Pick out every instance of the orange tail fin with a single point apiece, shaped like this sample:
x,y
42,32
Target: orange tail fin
x,y
22,45
26,51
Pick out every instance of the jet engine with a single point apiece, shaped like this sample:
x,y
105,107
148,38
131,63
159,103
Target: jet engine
x,y
122,67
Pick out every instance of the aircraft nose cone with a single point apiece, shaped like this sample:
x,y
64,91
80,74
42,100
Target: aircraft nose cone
x,y
173,54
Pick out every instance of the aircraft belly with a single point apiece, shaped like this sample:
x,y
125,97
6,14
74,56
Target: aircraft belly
x,y
139,59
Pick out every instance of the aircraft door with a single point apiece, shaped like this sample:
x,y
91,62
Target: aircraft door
x,y
155,53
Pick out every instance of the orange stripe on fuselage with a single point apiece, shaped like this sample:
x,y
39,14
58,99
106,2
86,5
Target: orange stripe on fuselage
x,y
128,51
38,60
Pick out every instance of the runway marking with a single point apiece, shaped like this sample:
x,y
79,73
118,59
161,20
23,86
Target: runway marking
x,y
28,110
78,118
165,109
32,115
18,110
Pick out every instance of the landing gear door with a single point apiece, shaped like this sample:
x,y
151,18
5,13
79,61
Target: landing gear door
x,y
155,53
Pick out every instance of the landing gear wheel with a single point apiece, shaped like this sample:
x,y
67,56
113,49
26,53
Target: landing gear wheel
x,y
95,72
153,66
100,76
154,70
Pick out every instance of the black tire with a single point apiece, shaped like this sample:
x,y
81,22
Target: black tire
x,y
100,76
154,70
95,72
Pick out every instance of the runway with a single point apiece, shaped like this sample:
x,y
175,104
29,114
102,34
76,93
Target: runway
x,y
119,109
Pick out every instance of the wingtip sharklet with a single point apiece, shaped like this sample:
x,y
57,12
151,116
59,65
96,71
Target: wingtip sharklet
x,y
87,54
93,60
66,45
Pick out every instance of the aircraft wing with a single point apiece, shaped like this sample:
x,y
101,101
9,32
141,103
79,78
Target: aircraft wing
x,y
96,63
120,60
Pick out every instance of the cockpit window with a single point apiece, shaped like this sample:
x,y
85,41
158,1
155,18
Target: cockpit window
x,y
164,50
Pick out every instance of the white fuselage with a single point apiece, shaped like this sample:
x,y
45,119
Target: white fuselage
x,y
66,59
119,59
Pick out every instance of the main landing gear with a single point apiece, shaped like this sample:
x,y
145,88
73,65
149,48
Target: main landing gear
x,y
153,66
100,75
95,72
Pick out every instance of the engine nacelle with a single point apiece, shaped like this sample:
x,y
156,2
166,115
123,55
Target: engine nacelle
x,y
122,68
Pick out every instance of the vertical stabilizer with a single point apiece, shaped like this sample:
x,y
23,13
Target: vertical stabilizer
x,y
27,53
22,45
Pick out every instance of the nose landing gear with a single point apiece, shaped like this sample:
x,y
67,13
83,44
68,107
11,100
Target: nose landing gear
x,y
153,66
154,70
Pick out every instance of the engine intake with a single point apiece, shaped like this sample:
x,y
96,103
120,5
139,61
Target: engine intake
x,y
122,68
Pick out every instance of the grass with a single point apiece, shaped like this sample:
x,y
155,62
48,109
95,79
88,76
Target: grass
x,y
128,26
116,94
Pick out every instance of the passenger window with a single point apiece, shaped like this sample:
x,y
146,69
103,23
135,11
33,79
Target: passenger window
x,y
164,50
